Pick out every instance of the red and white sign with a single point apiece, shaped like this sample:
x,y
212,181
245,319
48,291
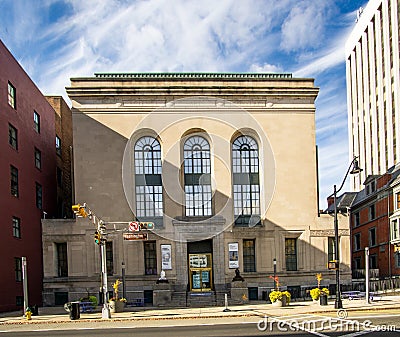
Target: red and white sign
x,y
134,226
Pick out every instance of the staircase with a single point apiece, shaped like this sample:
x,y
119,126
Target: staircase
x,y
201,299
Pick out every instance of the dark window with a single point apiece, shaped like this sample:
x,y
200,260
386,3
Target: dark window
x,y
58,145
13,136
246,186
38,158
357,241
372,236
372,212
357,263
291,254
62,259
197,176
14,181
59,174
19,301
356,219
373,261
18,269
149,199
249,255
16,223
36,121
39,196
109,258
398,200
150,258
11,95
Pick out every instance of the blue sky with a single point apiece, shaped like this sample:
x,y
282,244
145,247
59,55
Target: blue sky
x,y
56,40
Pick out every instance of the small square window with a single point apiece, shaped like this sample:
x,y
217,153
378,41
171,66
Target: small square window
x,y
13,136
38,159
11,95
36,121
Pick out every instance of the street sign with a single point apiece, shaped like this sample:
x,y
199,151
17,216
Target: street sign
x,y
134,226
134,236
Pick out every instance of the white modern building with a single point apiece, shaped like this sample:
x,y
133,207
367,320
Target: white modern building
x,y
372,63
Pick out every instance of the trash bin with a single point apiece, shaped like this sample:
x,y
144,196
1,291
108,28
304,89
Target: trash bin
x,y
323,299
73,309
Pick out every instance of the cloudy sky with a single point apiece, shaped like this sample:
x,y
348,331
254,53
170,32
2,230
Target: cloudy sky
x,y
58,39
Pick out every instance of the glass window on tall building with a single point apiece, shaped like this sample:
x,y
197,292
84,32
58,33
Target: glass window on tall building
x,y
36,121
13,136
14,181
16,225
11,95
197,177
18,269
150,258
148,170
246,181
249,255
62,259
291,254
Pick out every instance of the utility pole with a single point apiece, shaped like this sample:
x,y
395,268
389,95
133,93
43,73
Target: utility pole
x,y
367,274
25,283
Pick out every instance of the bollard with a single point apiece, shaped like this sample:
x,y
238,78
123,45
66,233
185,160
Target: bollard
x,y
226,304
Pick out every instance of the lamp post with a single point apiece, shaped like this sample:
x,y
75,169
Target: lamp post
x,y
356,169
274,273
123,280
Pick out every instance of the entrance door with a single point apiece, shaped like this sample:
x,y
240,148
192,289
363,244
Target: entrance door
x,y
200,272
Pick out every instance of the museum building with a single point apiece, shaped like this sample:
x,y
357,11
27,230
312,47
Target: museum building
x,y
223,164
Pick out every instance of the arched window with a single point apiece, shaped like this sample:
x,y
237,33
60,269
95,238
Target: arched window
x,y
149,202
197,174
246,182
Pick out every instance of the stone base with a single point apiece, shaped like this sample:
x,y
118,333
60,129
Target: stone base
x,y
239,292
162,295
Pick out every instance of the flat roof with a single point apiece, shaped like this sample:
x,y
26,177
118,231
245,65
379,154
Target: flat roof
x,y
195,75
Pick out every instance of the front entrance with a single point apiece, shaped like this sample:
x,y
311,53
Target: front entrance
x,y
200,266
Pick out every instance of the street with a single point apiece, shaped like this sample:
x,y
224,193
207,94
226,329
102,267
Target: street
x,y
377,324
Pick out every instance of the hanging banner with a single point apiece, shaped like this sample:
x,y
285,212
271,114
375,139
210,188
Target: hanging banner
x,y
233,249
166,263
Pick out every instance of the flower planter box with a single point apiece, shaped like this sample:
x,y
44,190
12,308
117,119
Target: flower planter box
x,y
116,306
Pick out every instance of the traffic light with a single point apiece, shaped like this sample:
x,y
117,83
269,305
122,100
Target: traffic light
x,y
97,237
80,210
146,225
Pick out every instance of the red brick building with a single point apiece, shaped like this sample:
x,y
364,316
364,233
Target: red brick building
x,y
28,188
371,216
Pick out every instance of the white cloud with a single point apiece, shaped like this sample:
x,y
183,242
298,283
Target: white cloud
x,y
265,68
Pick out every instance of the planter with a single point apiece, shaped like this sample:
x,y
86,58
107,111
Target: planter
x,y
323,299
116,306
280,303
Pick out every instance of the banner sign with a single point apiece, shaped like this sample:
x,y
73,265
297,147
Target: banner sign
x,y
166,262
233,249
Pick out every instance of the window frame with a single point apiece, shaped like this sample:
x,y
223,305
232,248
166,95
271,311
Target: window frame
x,y
62,259
36,121
58,146
16,226
150,257
249,255
357,242
39,195
197,176
372,212
18,269
372,237
291,254
246,181
12,96
14,185
356,219
38,158
13,138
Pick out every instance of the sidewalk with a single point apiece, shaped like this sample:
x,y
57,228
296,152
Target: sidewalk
x,y
57,317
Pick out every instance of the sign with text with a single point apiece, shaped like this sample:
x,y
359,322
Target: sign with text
x,y
233,249
166,262
135,236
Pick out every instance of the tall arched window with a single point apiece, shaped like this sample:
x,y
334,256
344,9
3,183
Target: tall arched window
x,y
197,170
149,202
246,181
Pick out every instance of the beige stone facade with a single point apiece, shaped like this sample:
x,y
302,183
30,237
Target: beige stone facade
x,y
269,212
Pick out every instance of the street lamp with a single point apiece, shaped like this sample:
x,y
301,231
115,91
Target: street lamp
x,y
356,169
274,273
123,280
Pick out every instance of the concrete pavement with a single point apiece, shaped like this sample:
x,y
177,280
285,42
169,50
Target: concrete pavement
x,y
58,318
